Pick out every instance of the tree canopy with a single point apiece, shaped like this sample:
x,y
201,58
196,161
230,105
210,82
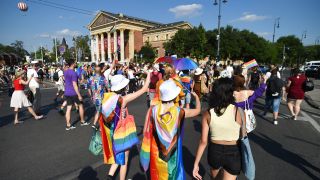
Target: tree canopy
x,y
238,44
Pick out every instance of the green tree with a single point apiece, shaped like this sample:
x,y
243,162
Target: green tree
x,y
81,44
294,51
148,53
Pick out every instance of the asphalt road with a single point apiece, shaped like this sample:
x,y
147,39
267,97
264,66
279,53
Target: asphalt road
x,y
44,150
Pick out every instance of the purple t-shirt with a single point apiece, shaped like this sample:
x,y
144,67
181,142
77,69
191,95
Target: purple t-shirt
x,y
70,76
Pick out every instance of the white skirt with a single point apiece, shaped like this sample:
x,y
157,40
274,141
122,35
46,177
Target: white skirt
x,y
19,100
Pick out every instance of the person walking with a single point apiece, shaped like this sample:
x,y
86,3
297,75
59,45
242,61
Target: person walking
x,y
59,80
35,87
72,95
98,85
114,107
131,76
254,79
295,92
163,134
223,121
200,80
273,95
19,99
156,76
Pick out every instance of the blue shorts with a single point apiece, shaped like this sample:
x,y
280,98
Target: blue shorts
x,y
274,103
187,99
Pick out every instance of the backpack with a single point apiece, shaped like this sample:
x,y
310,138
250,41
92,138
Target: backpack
x,y
255,77
275,85
56,76
153,81
186,83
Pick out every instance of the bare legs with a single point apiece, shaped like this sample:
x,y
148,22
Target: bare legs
x,y
123,168
294,107
68,115
30,109
222,174
96,117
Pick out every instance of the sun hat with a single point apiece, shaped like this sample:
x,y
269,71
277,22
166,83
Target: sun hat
x,y
156,66
169,90
118,82
198,71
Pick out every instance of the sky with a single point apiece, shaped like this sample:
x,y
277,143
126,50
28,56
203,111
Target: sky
x,y
40,24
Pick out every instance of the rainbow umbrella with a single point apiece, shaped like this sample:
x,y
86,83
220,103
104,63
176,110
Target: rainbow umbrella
x,y
185,64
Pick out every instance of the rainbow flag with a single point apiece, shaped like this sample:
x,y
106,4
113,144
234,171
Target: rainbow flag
x,y
250,64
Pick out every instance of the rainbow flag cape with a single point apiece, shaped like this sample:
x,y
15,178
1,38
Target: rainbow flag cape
x,y
158,148
250,64
111,105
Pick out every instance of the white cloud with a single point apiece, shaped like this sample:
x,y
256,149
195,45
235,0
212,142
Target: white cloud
x,y
60,17
67,32
249,17
264,34
187,10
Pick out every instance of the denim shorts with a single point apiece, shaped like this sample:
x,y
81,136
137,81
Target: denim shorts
x,y
187,99
274,103
227,157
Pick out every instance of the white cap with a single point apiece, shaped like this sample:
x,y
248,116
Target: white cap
x,y
169,90
198,71
118,82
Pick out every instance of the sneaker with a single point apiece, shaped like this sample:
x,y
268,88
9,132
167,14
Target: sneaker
x,y
61,112
70,128
275,122
84,123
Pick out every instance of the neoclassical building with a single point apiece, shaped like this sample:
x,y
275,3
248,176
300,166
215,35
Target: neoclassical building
x,y
120,36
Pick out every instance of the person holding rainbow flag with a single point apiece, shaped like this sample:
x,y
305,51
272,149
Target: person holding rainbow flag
x,y
161,148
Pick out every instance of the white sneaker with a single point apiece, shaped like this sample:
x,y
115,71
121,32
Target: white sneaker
x,y
275,122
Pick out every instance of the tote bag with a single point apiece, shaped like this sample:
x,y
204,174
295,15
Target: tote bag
x,y
251,122
247,165
125,133
95,146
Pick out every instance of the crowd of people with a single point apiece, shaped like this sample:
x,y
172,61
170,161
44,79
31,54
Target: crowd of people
x,y
172,97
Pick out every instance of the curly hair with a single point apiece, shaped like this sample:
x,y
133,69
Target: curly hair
x,y
222,95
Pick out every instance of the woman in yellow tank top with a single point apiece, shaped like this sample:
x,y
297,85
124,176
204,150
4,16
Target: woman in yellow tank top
x,y
223,121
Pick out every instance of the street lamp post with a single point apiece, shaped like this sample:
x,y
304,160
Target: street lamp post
x,y
303,36
275,25
219,19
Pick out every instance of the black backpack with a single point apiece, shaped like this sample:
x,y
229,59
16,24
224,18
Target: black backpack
x,y
275,85
255,77
56,76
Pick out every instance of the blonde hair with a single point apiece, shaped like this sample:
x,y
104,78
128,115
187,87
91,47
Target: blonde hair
x,y
169,71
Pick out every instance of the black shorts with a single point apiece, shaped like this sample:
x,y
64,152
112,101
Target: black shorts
x,y
71,100
227,157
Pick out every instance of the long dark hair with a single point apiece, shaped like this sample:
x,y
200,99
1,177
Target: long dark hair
x,y
222,95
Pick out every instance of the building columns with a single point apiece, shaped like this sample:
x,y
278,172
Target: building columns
x,y
131,45
109,47
115,45
92,48
122,44
102,48
97,48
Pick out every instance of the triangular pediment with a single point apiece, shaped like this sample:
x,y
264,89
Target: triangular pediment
x,y
102,19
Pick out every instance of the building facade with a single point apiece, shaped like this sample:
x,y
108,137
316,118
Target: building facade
x,y
118,36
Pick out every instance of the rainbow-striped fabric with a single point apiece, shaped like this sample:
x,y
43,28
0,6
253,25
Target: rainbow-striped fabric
x,y
250,64
111,106
162,145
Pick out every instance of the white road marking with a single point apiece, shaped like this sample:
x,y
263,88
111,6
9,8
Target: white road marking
x,y
311,120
